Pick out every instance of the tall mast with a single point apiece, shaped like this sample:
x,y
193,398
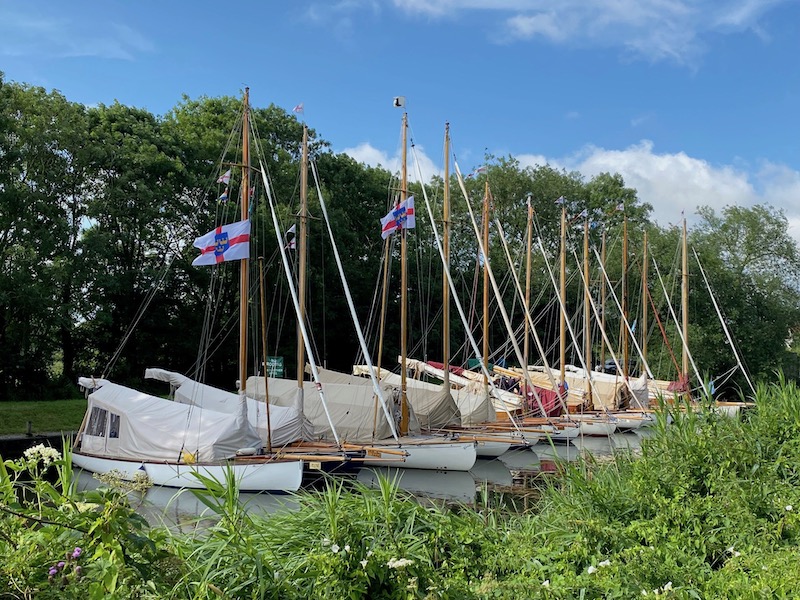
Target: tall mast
x,y
562,325
243,268
529,238
587,329
486,286
685,305
302,243
645,298
623,329
446,249
403,292
603,299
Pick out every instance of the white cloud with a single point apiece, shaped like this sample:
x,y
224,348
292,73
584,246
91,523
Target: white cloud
x,y
366,153
22,35
653,29
672,183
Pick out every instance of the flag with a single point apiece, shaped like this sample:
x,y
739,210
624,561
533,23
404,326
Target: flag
x,y
399,101
584,214
299,109
477,172
291,244
400,217
621,206
560,200
225,177
229,242
224,196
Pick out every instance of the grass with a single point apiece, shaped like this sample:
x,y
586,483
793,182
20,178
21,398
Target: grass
x,y
45,415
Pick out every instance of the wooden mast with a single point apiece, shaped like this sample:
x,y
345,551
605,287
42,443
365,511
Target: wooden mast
x,y
446,249
302,244
587,298
486,286
245,263
645,297
528,242
623,326
404,291
562,326
685,307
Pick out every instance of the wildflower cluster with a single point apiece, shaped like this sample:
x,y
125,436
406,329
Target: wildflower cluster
x,y
41,453
65,570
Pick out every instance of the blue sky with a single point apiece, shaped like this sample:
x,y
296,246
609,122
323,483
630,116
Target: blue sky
x,y
692,101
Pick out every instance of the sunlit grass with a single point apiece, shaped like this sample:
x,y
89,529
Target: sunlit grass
x,y
45,416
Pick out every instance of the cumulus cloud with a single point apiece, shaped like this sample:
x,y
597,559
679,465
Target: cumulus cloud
x,y
676,182
653,29
671,182
23,35
366,153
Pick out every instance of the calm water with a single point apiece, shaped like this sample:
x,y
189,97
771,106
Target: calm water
x,y
513,474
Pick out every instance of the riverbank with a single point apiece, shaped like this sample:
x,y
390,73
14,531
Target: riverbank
x,y
41,416
709,510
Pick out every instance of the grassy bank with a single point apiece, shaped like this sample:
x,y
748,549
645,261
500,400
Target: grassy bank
x,y
709,510
45,415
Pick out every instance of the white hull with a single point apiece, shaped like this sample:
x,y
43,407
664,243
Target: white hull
x,y
491,449
268,476
601,428
561,434
448,456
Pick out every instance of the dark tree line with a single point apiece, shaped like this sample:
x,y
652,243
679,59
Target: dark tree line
x,y
99,205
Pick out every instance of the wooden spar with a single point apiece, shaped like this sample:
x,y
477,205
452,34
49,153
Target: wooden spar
x,y
404,415
685,305
623,326
529,240
587,328
446,251
264,347
302,245
244,266
562,342
486,287
645,295
603,299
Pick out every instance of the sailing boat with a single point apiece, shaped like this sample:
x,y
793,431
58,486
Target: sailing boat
x,y
205,432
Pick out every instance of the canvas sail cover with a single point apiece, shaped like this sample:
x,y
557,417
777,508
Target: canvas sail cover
x,y
287,424
434,406
352,408
126,423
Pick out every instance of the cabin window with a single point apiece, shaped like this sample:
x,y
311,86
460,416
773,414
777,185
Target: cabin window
x,y
97,422
113,427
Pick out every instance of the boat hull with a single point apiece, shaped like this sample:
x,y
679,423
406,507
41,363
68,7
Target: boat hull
x,y
449,456
252,476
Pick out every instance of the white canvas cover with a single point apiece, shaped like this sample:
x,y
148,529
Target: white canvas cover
x,y
434,407
351,408
143,427
287,423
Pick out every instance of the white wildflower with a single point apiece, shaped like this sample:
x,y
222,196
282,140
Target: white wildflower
x,y
667,586
347,547
644,592
604,563
736,553
40,452
335,548
546,583
369,553
789,508
764,568
591,569
399,563
363,563
326,542
729,549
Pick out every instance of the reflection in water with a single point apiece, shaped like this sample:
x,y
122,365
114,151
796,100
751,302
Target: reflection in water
x,y
453,486
491,471
515,476
181,511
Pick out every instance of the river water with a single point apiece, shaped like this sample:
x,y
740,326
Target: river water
x,y
515,475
